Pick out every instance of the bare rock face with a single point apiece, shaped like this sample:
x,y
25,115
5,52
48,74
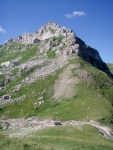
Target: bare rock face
x,y
53,29
92,56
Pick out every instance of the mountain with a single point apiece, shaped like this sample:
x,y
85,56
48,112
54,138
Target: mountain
x,y
73,46
53,76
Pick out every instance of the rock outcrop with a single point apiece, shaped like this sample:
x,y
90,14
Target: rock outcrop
x,y
49,30
92,56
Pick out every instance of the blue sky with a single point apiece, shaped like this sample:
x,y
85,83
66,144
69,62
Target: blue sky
x,y
91,20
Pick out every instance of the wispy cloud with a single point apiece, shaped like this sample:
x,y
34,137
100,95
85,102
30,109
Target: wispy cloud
x,y
2,30
75,14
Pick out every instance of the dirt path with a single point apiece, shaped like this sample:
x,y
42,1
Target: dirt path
x,y
22,127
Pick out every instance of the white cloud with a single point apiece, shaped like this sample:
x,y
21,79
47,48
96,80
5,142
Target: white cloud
x,y
68,15
78,13
2,30
74,14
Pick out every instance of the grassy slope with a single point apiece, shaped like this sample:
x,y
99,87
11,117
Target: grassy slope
x,y
14,52
93,101
59,138
110,67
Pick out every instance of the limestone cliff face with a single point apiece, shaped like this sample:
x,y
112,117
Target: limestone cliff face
x,y
92,56
64,42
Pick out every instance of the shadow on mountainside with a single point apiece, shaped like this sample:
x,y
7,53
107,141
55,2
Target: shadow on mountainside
x,y
92,56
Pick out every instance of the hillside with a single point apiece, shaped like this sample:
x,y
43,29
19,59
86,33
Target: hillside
x,y
110,67
53,75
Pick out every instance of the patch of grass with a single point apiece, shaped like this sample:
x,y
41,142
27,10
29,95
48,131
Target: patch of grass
x,y
74,60
7,55
10,56
51,54
2,79
110,66
5,52
63,138
52,30
15,46
77,132
59,38
15,71
29,53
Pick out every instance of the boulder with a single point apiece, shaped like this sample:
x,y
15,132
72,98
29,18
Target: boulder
x,y
58,123
16,63
40,98
6,97
6,64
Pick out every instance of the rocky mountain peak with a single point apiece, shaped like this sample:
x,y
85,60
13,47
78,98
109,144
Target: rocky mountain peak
x,y
49,30
64,42
52,29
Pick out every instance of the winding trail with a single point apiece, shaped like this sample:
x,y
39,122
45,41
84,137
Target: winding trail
x,y
22,127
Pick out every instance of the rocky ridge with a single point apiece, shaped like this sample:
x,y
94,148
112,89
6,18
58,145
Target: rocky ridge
x,y
65,42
